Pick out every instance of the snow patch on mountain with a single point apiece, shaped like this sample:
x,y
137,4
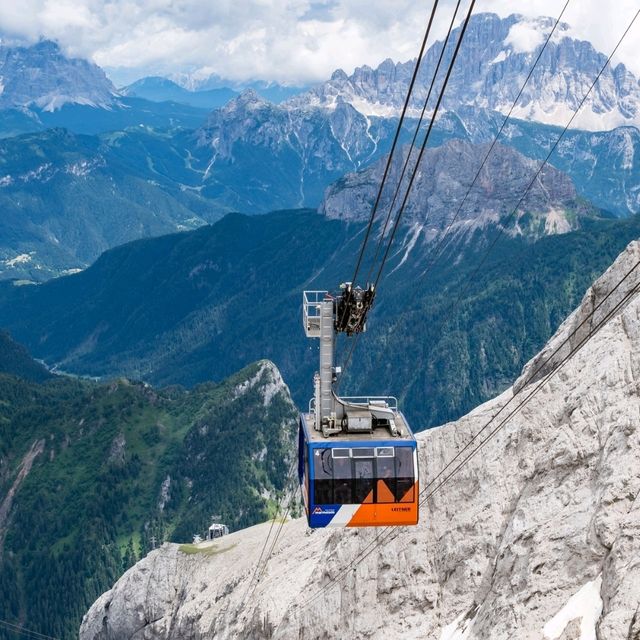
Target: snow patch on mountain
x,y
586,605
22,258
495,58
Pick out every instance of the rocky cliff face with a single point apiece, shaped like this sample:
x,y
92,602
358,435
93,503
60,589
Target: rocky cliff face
x,y
494,59
42,76
300,147
537,536
441,184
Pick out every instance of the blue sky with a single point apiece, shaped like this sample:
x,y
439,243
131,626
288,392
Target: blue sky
x,y
289,41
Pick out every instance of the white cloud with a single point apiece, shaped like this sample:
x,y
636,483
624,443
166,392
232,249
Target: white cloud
x,y
291,41
525,37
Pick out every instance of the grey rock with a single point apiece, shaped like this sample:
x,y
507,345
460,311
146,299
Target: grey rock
x,y
302,150
440,199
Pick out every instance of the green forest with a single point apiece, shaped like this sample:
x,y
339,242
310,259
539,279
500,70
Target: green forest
x,y
119,468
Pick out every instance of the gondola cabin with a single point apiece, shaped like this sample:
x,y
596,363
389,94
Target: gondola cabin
x,y
357,457
358,481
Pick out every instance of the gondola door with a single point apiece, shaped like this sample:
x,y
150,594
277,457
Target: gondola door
x,y
363,480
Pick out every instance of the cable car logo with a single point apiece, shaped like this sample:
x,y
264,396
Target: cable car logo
x,y
319,511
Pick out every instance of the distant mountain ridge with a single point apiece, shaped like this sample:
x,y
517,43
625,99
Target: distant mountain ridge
x,y
66,198
495,57
271,91
159,89
41,87
41,75
253,156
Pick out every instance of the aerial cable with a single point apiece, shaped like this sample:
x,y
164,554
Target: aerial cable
x,y
415,170
453,306
395,139
434,252
541,367
256,572
411,145
437,251
262,571
504,224
536,389
424,142
389,159
21,630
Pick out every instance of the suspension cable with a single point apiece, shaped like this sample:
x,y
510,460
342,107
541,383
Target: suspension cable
x,y
261,572
424,142
415,170
434,254
254,576
412,144
389,158
395,139
545,379
470,279
24,631
504,224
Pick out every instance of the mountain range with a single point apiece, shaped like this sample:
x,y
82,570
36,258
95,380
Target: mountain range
x,y
158,89
64,194
173,166
199,305
550,206
495,57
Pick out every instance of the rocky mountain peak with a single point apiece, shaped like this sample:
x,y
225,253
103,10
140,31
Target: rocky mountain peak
x,y
41,75
495,56
339,76
551,205
248,98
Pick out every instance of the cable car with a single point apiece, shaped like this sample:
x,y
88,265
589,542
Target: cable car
x,y
357,457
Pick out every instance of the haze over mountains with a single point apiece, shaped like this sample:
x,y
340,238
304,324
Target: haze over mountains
x,y
254,156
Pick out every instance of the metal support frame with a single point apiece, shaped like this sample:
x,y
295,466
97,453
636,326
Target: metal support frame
x,y
331,413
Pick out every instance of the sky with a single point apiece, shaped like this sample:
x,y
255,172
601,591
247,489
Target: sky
x,y
293,42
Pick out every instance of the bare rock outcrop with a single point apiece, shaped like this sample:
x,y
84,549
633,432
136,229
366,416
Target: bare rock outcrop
x,y
537,536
